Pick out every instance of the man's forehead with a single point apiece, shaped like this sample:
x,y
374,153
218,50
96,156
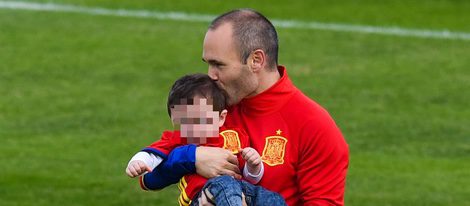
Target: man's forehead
x,y
218,42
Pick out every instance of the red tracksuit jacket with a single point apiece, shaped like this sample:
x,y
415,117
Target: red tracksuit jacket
x,y
305,154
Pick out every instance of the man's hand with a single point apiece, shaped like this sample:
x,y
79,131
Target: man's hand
x,y
212,162
253,160
136,168
204,202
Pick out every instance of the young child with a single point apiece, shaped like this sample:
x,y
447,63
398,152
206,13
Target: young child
x,y
196,106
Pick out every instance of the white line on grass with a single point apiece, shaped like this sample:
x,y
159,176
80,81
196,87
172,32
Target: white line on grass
x,y
181,16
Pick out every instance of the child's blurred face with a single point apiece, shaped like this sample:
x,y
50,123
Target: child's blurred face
x,y
196,121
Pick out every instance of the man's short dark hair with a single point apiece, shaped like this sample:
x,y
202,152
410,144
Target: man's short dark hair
x,y
192,85
251,31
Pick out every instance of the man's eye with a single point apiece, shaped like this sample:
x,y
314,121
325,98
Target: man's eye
x,y
217,65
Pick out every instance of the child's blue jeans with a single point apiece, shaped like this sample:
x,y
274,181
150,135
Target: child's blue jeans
x,y
227,191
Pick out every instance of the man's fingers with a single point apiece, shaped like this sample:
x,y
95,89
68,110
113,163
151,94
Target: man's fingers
x,y
243,200
232,159
200,201
203,200
232,167
230,173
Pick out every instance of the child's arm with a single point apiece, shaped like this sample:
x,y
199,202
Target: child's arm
x,y
254,169
142,162
174,163
179,162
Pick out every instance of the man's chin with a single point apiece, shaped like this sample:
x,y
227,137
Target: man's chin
x,y
232,102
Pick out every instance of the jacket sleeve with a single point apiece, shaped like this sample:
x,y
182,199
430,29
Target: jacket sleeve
x,y
162,147
322,167
180,162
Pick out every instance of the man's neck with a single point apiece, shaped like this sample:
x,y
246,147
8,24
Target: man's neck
x,y
267,78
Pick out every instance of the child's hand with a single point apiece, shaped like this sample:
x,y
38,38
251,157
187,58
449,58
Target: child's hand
x,y
253,160
136,168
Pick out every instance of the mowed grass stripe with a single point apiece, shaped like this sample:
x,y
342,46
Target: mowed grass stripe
x,y
82,93
181,16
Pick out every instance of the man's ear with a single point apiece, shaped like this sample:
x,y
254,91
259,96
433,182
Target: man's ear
x,y
257,60
222,116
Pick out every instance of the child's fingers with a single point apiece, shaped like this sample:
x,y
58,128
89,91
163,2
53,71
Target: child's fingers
x,y
256,161
138,169
131,172
252,160
148,169
143,167
128,172
247,152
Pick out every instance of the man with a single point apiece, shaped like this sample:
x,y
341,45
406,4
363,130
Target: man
x,y
304,153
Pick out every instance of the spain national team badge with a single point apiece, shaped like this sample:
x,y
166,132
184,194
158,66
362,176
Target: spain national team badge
x,y
231,140
274,150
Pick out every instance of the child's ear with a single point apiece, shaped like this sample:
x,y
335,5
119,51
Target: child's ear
x,y
222,116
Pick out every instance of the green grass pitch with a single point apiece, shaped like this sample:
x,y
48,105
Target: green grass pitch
x,y
80,94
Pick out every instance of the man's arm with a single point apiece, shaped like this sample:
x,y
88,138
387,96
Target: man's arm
x,y
213,161
324,163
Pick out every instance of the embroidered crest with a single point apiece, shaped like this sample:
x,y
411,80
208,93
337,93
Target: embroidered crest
x,y
274,150
231,140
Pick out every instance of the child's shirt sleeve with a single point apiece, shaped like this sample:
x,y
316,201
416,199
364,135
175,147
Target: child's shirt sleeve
x,y
149,159
253,178
162,148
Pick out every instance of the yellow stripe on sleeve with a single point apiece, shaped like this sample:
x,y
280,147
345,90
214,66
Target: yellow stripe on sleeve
x,y
183,198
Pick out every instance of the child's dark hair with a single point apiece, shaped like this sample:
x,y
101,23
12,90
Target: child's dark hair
x,y
192,85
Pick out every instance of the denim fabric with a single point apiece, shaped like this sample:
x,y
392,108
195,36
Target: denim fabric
x,y
227,191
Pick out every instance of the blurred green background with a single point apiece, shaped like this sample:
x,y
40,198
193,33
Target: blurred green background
x,y
80,94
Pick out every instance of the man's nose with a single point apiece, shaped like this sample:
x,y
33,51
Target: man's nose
x,y
212,74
